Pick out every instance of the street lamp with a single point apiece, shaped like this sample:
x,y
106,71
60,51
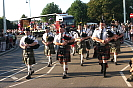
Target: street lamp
x,y
4,18
124,10
29,6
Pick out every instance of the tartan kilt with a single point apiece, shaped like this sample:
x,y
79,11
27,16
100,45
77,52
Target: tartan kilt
x,y
114,47
48,50
66,57
28,56
88,44
103,52
82,47
118,46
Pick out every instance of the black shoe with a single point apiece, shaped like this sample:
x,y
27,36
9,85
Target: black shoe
x,y
48,65
129,79
116,63
32,72
112,60
28,77
64,76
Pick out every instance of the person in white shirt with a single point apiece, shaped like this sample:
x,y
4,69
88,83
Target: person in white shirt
x,y
63,52
28,53
49,49
103,49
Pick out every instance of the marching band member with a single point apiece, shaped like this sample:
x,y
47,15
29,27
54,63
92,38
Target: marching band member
x,y
116,28
88,31
47,40
28,53
82,42
103,49
63,52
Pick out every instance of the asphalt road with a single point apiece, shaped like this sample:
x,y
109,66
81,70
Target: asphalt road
x,y
13,71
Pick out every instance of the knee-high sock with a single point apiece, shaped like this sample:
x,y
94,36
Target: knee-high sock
x,y
29,69
115,58
49,60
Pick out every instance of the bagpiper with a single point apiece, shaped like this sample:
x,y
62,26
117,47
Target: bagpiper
x,y
103,49
63,52
49,49
116,28
28,53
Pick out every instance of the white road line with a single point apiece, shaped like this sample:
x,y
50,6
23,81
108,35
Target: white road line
x,y
12,70
34,78
125,68
121,72
13,74
14,78
35,72
123,76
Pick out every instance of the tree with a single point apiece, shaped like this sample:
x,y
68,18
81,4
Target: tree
x,y
49,9
79,10
23,16
108,9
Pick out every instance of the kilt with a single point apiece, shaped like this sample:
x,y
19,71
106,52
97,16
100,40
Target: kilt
x,y
88,43
82,47
65,57
28,56
48,50
103,52
114,47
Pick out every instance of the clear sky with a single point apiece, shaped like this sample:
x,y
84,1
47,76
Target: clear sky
x,y
15,8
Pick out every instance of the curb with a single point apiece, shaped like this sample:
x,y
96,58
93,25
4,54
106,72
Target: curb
x,y
12,49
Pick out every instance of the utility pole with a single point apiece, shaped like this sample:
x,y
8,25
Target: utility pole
x,y
29,6
4,18
124,10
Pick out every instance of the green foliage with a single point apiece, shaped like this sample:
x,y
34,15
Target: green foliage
x,y
107,9
49,9
79,10
23,16
9,24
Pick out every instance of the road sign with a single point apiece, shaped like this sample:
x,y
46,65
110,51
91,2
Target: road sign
x,y
131,15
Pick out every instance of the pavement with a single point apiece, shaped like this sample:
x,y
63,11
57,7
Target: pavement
x,y
10,50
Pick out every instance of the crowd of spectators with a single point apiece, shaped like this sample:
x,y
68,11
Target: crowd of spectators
x,y
8,40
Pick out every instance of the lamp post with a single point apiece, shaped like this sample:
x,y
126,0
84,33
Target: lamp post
x,y
124,10
4,18
29,6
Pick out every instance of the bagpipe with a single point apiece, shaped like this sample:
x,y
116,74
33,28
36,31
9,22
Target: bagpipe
x,y
30,41
67,38
50,39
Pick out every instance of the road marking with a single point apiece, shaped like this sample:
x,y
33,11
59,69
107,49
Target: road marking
x,y
34,78
35,72
12,70
14,78
13,74
125,79
121,72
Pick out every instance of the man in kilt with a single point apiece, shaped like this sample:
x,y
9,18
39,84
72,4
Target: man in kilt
x,y
83,45
49,49
103,49
63,52
87,31
28,53
116,28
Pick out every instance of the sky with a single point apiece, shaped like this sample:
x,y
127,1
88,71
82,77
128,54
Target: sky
x,y
14,9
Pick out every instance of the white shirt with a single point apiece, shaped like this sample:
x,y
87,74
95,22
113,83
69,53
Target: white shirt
x,y
58,37
97,33
45,36
88,31
22,41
